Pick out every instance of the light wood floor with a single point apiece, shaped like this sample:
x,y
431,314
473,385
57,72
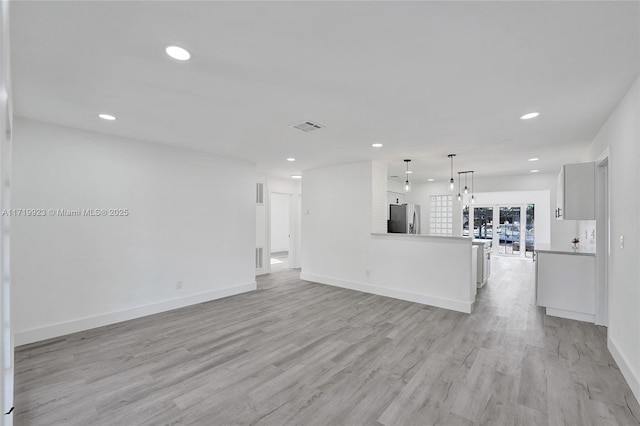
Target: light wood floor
x,y
279,261
299,353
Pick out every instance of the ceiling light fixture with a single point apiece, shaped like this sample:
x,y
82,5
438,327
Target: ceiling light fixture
x,y
408,172
535,171
430,180
178,53
466,188
530,116
376,145
296,177
291,159
451,183
407,184
533,159
107,117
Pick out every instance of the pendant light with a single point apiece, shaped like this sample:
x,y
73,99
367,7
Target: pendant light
x,y
473,197
407,184
466,189
451,183
459,195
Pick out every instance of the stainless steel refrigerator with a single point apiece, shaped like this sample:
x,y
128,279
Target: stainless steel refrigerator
x,y
404,219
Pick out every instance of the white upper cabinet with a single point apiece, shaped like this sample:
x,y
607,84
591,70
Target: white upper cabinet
x,y
576,192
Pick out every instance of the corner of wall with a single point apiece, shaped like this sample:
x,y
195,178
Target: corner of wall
x,y
378,197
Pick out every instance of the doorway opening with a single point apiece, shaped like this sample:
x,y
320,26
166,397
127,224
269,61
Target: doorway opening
x,y
509,230
280,231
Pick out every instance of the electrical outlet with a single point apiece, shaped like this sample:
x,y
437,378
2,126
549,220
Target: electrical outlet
x,y
178,285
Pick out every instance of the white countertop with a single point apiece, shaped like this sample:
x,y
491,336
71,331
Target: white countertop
x,y
560,249
423,236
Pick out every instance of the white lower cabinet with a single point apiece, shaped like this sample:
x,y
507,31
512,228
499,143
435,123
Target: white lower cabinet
x,y
565,284
484,262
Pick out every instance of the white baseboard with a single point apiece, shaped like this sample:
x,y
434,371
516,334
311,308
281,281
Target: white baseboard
x,y
81,324
454,305
632,380
578,316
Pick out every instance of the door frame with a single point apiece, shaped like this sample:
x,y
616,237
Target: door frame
x,y
603,243
295,211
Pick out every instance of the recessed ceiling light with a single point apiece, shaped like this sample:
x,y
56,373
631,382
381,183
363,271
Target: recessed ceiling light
x,y
408,172
430,180
530,115
376,145
534,159
535,171
178,53
296,177
107,117
291,159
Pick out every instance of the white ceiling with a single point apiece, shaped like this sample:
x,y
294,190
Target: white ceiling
x,y
424,78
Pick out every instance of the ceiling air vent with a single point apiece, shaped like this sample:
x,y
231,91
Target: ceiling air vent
x,y
307,126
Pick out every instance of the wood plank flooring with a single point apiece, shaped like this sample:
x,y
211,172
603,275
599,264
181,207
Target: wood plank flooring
x,y
298,353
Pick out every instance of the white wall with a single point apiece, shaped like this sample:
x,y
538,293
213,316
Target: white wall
x,y
587,234
188,222
621,133
284,186
488,190
279,222
6,128
342,205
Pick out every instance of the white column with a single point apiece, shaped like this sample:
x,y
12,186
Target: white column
x,y
295,215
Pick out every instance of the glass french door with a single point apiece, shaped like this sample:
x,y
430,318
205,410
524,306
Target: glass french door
x,y
511,228
483,223
529,231
509,231
482,219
